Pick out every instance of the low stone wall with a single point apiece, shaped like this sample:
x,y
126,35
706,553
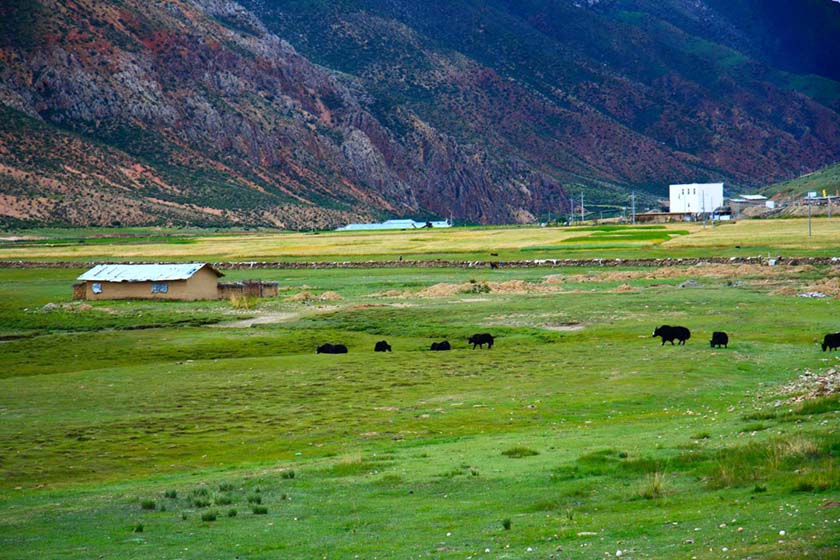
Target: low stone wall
x,y
294,265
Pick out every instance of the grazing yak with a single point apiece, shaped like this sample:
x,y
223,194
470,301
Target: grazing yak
x,y
440,346
332,349
831,342
669,334
719,339
480,340
382,346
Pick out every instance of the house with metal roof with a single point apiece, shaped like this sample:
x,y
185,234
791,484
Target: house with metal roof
x,y
182,281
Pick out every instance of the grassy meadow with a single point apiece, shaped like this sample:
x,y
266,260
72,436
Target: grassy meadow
x,y
183,430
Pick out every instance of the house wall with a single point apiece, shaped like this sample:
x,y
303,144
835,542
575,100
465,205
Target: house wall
x,y
694,199
202,285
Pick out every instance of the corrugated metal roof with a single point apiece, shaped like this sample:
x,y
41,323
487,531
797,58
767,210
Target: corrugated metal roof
x,y
143,272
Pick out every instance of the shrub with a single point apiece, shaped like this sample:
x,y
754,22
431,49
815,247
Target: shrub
x,y
819,406
288,475
231,513
756,427
138,528
519,452
259,510
200,502
201,491
209,516
171,494
254,499
478,288
654,486
225,487
506,524
223,500
759,488
701,435
451,473
148,504
238,301
759,416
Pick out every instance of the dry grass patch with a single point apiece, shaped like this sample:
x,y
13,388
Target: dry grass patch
x,y
829,286
624,288
514,287
308,297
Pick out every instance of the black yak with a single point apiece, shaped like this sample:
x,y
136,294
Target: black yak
x,y
669,334
831,342
480,340
382,346
440,346
719,339
332,349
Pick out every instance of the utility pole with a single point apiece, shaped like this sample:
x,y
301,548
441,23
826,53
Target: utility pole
x,y
633,201
582,218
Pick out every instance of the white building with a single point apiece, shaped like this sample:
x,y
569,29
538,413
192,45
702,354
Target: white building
x,y
696,198
395,224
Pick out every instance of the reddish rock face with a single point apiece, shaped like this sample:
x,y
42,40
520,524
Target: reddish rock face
x,y
200,112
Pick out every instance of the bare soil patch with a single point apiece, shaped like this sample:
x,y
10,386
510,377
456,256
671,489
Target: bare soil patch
x,y
571,327
264,319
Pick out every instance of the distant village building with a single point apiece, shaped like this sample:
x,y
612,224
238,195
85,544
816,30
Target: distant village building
x,y
757,203
190,281
395,224
696,198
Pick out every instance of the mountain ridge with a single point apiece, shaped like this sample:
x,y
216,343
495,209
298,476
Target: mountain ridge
x,y
203,111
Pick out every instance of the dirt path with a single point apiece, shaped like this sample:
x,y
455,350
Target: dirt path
x,y
264,319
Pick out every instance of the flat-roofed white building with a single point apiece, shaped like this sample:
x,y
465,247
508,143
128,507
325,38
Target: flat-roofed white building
x,y
696,198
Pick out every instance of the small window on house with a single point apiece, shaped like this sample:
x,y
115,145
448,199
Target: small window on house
x,y
96,287
160,287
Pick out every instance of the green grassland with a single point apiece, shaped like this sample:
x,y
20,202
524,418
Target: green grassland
x,y
176,430
744,238
826,179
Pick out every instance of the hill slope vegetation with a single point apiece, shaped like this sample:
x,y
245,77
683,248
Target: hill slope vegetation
x,y
308,114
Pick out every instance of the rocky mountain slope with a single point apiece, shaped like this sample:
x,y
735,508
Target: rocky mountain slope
x,y
310,113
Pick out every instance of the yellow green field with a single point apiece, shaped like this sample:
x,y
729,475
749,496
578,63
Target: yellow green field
x,y
511,243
